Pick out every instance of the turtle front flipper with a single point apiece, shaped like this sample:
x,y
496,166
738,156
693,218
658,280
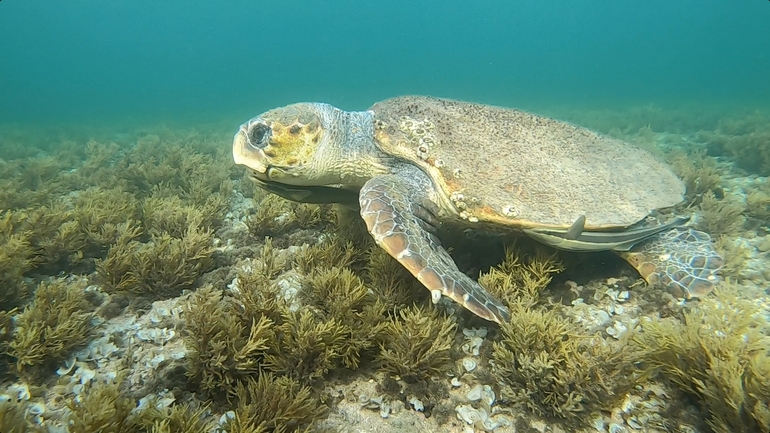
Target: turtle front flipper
x,y
396,212
682,260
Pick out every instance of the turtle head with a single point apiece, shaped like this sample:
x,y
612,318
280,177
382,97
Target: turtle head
x,y
282,145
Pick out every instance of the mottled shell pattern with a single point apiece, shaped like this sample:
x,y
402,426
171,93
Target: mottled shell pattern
x,y
500,166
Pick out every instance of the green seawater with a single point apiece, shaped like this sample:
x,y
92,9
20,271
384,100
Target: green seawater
x,y
89,61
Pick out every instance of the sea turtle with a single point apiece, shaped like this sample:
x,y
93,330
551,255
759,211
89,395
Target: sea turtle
x,y
412,163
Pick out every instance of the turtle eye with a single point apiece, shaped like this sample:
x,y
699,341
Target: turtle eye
x,y
259,135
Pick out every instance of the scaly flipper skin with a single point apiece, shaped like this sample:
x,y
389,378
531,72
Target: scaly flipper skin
x,y
395,211
682,260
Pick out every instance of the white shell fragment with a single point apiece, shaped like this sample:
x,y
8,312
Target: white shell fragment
x,y
417,404
385,409
156,335
83,374
473,346
474,338
158,314
617,428
19,391
475,393
226,417
159,401
482,393
469,415
479,418
36,409
378,404
469,364
475,332
69,364
603,317
488,395
617,330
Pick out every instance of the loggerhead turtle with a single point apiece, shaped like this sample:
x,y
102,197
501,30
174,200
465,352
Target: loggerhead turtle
x,y
412,163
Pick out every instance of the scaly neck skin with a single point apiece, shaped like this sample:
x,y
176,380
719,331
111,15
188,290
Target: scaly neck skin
x,y
353,157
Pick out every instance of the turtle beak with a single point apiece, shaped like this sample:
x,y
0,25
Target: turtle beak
x,y
244,153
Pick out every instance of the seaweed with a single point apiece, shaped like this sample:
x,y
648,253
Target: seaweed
x,y
233,336
276,215
57,322
746,140
164,212
116,271
13,419
156,163
160,268
340,295
177,419
273,214
417,344
698,171
16,258
170,216
256,292
393,284
309,347
547,364
333,251
77,226
270,404
38,171
12,196
57,238
223,349
718,353
758,203
98,167
67,231
349,226
721,217
6,335
523,274
165,266
98,213
734,253
337,292
103,408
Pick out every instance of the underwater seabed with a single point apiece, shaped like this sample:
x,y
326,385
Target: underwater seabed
x,y
147,286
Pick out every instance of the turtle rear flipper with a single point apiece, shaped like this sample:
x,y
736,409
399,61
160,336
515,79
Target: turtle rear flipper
x,y
682,260
395,209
